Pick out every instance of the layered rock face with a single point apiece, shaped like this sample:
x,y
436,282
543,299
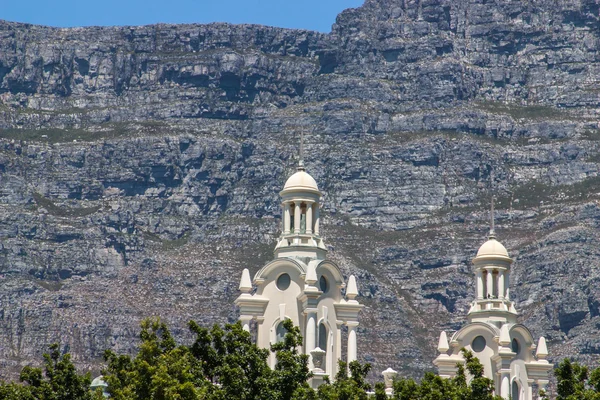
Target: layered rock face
x,y
140,169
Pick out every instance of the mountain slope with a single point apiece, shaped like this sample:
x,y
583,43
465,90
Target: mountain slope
x,y
140,169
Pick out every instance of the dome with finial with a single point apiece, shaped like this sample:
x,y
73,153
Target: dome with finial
x,y
301,180
492,248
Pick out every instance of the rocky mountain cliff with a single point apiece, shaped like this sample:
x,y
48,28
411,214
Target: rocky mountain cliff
x,y
140,169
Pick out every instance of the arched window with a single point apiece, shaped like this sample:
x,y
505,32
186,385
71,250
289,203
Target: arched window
x,y
515,391
323,336
515,346
280,332
323,284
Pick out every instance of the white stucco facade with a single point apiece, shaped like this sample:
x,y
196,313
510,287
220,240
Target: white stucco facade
x,y
506,348
301,284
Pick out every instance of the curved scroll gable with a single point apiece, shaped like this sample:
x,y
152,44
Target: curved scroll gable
x,y
277,264
333,269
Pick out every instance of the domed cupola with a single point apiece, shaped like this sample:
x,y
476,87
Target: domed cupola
x,y
299,182
492,249
300,236
492,274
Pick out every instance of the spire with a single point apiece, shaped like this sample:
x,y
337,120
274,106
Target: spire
x,y
492,230
301,153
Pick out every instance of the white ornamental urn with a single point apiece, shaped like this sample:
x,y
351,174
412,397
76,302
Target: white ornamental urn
x,y
388,378
318,357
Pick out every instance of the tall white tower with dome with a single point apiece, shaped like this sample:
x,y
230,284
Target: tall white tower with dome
x,y
301,284
505,348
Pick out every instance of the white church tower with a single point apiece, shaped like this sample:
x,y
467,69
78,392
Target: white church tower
x,y
505,348
303,285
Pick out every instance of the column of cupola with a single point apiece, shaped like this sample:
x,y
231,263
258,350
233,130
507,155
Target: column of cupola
x,y
286,218
491,283
294,211
489,273
480,292
309,217
501,284
317,218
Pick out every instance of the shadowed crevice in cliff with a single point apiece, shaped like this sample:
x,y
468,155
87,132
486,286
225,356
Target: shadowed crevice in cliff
x,y
58,211
569,321
3,71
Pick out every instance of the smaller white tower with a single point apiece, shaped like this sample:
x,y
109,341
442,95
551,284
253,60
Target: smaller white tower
x,y
504,347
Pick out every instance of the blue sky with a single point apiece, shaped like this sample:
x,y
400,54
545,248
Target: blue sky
x,y
316,15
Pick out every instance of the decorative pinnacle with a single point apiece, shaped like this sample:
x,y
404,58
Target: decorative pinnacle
x,y
542,349
443,346
492,234
301,155
245,282
352,288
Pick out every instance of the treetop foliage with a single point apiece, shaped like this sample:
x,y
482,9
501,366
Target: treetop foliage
x,y
575,382
223,363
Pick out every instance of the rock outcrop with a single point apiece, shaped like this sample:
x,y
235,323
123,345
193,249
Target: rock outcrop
x,y
140,169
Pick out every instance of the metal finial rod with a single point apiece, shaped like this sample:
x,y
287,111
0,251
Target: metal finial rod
x,y
301,153
492,230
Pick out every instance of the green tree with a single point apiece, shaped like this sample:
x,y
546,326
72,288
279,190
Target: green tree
x,y
380,391
406,389
594,380
571,379
228,357
433,387
58,381
575,382
15,391
224,364
161,370
346,386
291,373
481,388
